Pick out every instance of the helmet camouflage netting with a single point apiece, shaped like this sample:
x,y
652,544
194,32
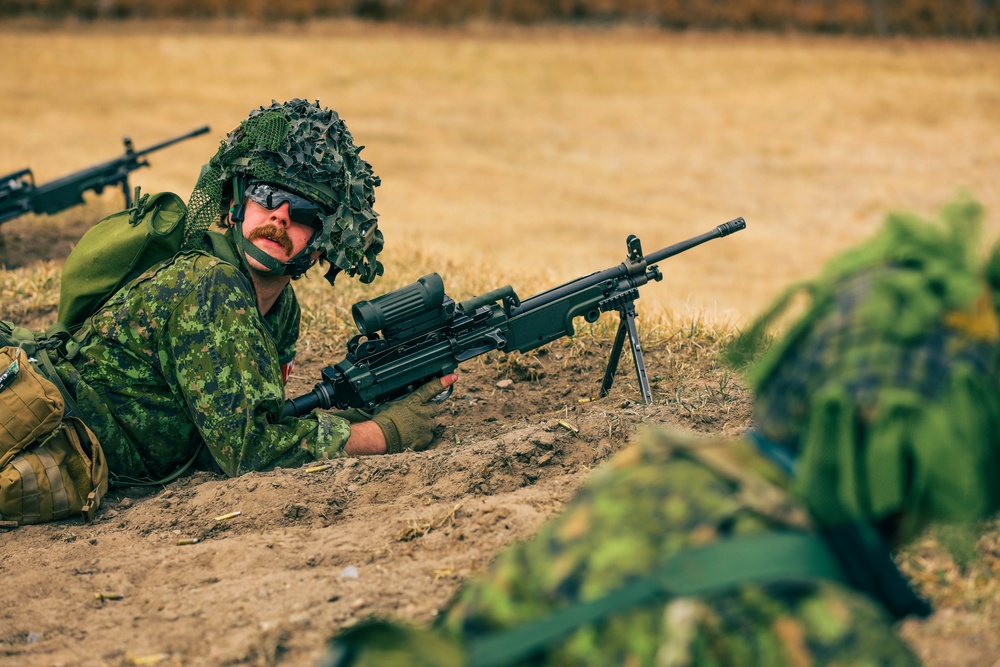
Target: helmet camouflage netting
x,y
307,149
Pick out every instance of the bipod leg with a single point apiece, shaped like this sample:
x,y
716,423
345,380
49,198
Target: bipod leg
x,y
627,327
628,316
616,354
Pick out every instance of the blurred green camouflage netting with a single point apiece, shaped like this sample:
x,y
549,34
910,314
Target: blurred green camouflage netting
x,y
885,389
307,149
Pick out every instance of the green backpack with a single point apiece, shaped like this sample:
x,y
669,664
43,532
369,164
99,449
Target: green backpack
x,y
120,248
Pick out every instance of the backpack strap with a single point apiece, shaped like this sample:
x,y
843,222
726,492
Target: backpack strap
x,y
38,348
715,568
49,371
132,481
222,249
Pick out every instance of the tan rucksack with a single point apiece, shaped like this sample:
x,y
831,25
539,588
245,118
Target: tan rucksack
x,y
51,466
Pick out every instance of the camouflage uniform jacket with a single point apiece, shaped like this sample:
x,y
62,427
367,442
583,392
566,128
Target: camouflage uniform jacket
x,y
182,356
656,498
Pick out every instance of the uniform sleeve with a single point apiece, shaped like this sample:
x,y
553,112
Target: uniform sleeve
x,y
226,366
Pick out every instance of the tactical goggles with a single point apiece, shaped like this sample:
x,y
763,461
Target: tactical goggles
x,y
300,209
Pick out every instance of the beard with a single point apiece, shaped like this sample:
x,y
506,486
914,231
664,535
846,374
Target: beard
x,y
273,233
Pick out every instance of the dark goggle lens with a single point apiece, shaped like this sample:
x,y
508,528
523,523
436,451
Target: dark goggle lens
x,y
300,209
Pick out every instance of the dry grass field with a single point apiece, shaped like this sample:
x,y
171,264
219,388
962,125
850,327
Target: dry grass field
x,y
534,153
507,156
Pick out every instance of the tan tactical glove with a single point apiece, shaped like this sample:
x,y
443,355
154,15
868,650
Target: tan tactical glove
x,y
408,422
354,415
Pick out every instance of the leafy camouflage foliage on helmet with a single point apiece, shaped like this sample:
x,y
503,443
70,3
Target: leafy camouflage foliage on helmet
x,y
308,149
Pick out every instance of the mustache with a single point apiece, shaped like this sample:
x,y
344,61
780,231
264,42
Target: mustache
x,y
274,233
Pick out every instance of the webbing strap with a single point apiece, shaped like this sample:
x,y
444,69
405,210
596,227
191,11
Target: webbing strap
x,y
273,266
222,249
49,372
715,568
60,499
132,481
30,503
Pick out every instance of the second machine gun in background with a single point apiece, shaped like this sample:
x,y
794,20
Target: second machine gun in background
x,y
417,333
19,194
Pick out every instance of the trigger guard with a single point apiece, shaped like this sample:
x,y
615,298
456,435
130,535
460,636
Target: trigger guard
x,y
444,395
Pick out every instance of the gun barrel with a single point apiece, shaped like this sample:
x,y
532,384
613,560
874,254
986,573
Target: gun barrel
x,y
725,229
622,270
170,142
67,191
306,403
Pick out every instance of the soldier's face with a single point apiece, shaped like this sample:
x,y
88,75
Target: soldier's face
x,y
274,232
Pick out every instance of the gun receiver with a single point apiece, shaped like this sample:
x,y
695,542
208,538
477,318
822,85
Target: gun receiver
x,y
20,195
417,333
15,194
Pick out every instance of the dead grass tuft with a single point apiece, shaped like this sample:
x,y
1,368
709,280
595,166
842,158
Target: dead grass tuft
x,y
30,295
415,529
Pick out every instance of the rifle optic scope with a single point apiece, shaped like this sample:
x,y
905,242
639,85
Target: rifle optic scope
x,y
412,307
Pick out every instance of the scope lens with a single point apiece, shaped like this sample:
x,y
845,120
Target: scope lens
x,y
367,317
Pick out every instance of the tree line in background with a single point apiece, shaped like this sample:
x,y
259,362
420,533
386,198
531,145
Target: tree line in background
x,y
964,18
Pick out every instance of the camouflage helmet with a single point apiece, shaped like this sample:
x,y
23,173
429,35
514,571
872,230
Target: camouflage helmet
x,y
307,149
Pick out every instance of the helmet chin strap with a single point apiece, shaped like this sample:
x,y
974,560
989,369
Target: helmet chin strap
x,y
272,267
294,267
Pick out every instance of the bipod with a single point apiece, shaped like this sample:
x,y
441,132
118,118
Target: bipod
x,y
627,328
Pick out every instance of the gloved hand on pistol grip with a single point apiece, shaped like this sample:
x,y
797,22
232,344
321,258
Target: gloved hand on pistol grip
x,y
408,422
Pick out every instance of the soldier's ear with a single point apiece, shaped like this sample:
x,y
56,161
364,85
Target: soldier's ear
x,y
226,217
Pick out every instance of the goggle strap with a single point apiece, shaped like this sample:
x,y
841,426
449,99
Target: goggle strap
x,y
239,199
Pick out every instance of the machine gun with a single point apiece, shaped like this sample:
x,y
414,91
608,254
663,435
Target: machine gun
x,y
20,195
417,333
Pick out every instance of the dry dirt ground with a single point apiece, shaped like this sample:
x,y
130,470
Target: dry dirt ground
x,y
312,551
160,578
